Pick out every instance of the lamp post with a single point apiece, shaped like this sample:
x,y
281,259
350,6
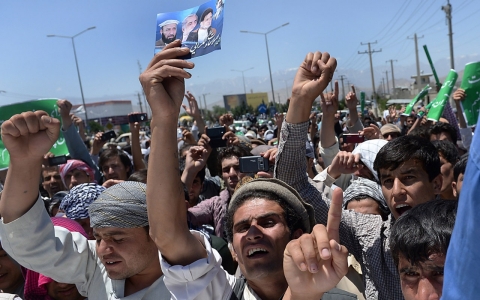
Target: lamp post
x,y
76,63
268,55
243,77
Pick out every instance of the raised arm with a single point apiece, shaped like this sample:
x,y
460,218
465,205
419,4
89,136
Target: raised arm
x,y
291,163
73,140
351,102
164,84
314,263
193,111
137,156
27,137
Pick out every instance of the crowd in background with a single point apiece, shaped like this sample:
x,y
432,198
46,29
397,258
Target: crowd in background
x,y
301,205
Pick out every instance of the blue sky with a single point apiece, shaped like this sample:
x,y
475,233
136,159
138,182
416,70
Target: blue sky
x,y
34,66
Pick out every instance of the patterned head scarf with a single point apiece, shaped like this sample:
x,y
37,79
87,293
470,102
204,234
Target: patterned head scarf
x,y
76,202
123,205
73,164
363,187
368,152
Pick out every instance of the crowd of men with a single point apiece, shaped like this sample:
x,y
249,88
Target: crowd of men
x,y
328,218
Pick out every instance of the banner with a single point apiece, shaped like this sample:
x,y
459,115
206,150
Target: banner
x,y
423,93
471,85
443,95
199,28
47,105
362,103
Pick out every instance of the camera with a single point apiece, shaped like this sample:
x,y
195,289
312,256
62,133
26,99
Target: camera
x,y
57,160
253,164
139,118
106,136
215,134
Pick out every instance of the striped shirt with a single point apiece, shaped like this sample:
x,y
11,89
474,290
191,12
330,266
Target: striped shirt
x,y
365,236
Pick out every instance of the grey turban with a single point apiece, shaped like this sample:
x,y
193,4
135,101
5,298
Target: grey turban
x,y
363,187
123,205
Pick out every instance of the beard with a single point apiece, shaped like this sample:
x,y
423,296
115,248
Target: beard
x,y
168,40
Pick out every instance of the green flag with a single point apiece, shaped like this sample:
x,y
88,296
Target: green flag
x,y
471,85
443,95
47,105
423,93
362,103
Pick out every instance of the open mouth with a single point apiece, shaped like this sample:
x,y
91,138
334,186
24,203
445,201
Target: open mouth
x,y
256,252
402,208
111,263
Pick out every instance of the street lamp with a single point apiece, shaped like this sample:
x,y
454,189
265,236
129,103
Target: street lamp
x,y
244,88
268,55
76,62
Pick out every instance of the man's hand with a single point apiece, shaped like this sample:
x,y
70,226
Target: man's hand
x,y
351,99
77,120
278,120
226,119
64,108
188,137
196,159
329,103
314,263
45,162
313,76
164,80
97,144
111,182
344,163
459,95
204,142
231,137
192,109
372,132
28,136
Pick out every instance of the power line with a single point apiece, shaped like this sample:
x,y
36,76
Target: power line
x,y
393,18
370,52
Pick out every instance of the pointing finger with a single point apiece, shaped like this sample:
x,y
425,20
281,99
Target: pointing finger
x,y
335,214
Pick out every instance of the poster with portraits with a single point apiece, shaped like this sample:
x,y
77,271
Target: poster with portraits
x,y
199,28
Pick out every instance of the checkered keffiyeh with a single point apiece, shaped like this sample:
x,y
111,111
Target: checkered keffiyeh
x,y
368,152
365,236
76,202
123,205
365,188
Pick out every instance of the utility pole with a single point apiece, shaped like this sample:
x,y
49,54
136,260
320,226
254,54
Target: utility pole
x,y
418,62
370,52
393,77
448,13
386,77
140,103
342,78
383,85
205,102
143,92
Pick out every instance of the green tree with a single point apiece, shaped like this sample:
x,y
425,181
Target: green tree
x,y
95,127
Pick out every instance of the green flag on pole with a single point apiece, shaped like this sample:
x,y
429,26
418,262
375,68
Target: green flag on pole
x,y
423,93
362,102
47,105
471,85
443,95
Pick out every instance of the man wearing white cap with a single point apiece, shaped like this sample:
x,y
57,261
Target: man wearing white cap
x,y
168,31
